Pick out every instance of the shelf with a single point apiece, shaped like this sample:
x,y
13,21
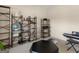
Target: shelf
x,y
4,20
32,22
34,33
26,36
4,13
15,16
25,25
4,39
33,28
5,16
45,32
45,27
5,33
25,31
4,6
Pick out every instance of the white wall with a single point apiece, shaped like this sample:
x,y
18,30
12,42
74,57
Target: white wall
x,y
31,10
63,19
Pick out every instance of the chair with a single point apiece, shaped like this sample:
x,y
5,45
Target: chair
x,y
73,39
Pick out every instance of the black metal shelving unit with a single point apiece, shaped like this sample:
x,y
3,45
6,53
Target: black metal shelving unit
x,y
16,21
45,28
24,31
5,25
32,28
28,29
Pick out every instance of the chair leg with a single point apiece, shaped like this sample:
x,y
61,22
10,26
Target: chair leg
x,y
74,48
68,41
70,47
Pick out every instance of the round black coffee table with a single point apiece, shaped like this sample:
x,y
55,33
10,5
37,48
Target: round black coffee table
x,y
44,46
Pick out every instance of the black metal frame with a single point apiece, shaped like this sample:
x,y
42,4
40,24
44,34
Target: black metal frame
x,y
19,34
45,27
5,27
72,40
23,39
32,21
72,45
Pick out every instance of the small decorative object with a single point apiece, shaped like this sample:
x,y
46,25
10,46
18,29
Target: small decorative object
x,y
16,26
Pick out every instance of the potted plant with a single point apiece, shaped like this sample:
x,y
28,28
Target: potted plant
x,y
2,47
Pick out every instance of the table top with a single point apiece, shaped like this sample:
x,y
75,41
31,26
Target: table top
x,y
44,46
71,36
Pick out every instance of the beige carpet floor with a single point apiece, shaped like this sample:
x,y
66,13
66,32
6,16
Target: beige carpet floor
x,y
24,48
